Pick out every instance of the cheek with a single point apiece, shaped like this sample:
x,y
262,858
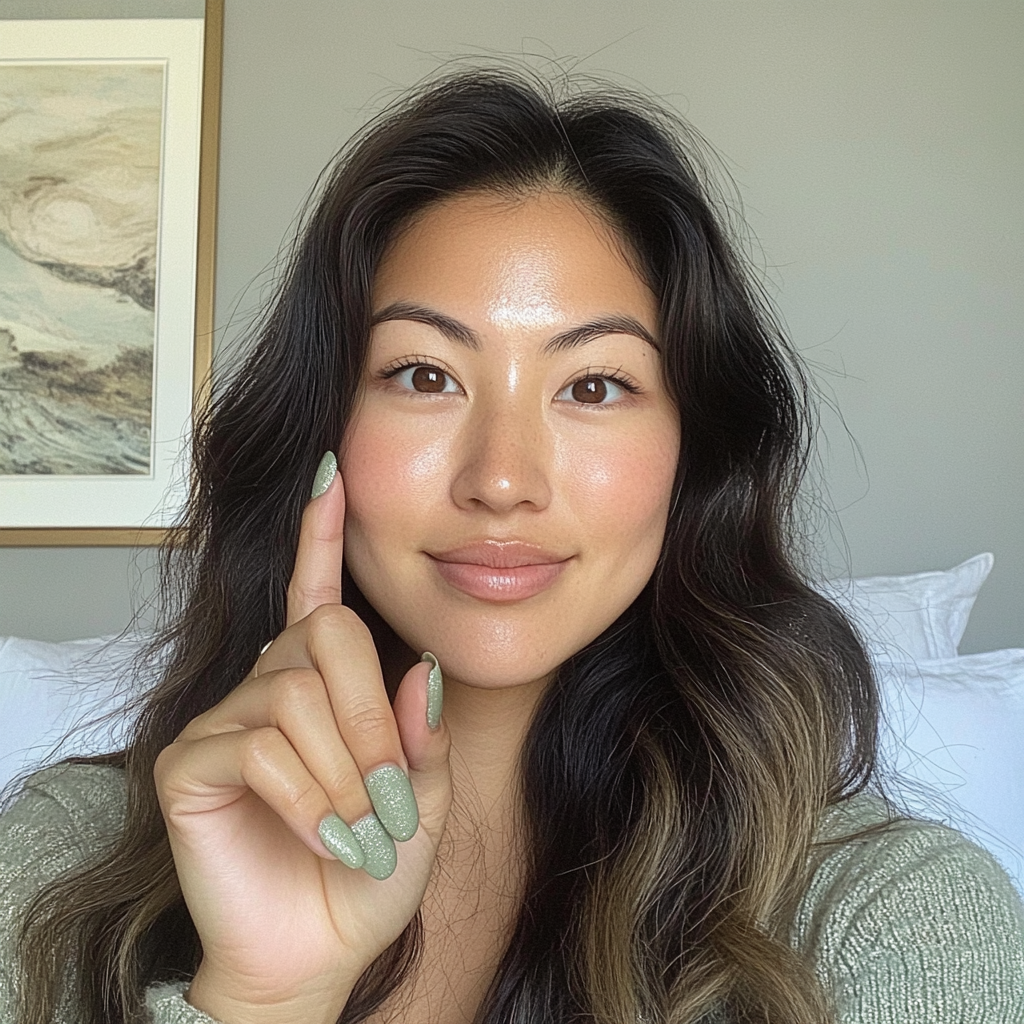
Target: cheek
x,y
621,486
390,476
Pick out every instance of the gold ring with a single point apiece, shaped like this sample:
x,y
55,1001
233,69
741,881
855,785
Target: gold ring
x,y
256,667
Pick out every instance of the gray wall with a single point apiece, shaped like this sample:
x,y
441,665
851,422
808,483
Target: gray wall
x,y
877,147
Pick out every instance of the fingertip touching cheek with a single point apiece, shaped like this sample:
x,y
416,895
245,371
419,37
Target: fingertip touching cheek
x,y
512,400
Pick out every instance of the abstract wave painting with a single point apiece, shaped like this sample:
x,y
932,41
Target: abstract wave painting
x,y
80,146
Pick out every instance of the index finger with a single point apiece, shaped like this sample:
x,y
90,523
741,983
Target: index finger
x,y
316,578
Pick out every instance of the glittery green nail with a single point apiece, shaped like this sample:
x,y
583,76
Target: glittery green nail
x,y
324,475
435,691
380,856
393,799
341,841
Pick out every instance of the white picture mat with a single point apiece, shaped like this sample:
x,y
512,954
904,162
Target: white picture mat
x,y
134,500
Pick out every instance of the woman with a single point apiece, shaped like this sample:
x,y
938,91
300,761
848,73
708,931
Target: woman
x,y
569,439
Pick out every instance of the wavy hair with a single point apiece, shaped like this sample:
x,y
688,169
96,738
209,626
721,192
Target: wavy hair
x,y
676,769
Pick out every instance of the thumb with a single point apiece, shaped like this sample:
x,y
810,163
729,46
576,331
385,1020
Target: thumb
x,y
426,749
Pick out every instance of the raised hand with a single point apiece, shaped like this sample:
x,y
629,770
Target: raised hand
x,y
283,802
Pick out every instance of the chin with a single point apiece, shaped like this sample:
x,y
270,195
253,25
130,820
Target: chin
x,y
467,672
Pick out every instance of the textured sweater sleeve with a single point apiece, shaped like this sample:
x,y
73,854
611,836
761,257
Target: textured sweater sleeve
x,y
63,817
917,924
166,1004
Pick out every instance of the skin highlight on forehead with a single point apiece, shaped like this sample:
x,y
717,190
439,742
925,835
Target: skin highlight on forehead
x,y
460,333
531,281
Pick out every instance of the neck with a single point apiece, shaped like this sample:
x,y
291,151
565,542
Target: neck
x,y
488,728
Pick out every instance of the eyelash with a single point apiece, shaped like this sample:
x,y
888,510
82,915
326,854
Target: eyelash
x,y
628,385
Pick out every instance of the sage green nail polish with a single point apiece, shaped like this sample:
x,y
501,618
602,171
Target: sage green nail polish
x,y
392,798
435,691
324,474
379,855
341,841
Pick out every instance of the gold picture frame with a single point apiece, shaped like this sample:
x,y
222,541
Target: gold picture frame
x,y
188,50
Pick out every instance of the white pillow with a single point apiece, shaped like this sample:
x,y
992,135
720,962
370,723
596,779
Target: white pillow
x,y
912,618
48,690
953,730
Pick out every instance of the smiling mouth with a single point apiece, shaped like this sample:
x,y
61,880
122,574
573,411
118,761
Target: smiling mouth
x,y
499,584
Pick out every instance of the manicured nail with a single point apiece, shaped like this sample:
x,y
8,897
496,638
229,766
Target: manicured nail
x,y
435,691
379,855
393,800
341,841
324,474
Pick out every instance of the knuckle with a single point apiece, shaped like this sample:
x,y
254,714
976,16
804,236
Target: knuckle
x,y
341,787
164,765
331,620
369,720
343,783
304,799
266,768
195,729
296,688
260,748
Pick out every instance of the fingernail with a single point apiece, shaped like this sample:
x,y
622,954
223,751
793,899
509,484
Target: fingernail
x,y
393,800
435,691
379,855
341,841
324,475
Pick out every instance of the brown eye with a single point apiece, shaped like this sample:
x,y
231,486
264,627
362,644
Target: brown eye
x,y
414,378
428,379
590,390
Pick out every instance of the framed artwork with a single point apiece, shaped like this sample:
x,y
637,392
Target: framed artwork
x,y
108,168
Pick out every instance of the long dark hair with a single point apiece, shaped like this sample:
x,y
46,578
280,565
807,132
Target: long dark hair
x,y
676,769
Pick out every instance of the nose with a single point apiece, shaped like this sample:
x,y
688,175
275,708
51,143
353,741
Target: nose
x,y
503,458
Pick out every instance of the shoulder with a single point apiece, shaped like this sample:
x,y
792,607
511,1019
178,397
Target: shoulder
x,y
63,816
911,917
90,798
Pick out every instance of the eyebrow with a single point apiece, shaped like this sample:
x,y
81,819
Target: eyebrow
x,y
455,330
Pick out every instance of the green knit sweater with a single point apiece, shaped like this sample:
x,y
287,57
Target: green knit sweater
x,y
915,925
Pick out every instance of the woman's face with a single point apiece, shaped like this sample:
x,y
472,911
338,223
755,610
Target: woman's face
x,y
503,427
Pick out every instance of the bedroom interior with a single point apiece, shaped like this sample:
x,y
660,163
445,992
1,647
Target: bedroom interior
x,y
875,150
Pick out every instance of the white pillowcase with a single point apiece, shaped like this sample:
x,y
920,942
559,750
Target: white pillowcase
x,y
912,618
48,690
955,729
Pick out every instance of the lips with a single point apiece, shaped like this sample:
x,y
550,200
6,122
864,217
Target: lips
x,y
498,554
489,584
500,570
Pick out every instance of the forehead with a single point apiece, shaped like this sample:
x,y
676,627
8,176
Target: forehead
x,y
548,249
